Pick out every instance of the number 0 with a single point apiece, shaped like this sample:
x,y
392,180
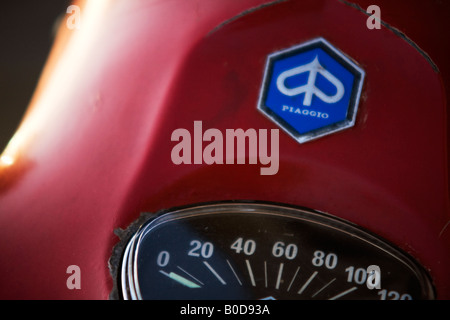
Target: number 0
x,y
163,259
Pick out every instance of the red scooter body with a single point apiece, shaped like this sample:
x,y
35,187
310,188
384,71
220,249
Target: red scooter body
x,y
94,149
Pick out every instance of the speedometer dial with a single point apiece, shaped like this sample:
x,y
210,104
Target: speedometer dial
x,y
264,251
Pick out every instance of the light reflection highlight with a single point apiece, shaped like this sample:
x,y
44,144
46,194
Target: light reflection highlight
x,y
54,84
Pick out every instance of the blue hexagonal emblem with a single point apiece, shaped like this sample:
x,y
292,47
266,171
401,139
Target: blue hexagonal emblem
x,y
311,90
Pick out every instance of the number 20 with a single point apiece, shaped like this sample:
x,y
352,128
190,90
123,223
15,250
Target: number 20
x,y
205,249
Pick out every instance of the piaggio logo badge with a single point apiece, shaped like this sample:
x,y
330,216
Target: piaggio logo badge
x,y
311,90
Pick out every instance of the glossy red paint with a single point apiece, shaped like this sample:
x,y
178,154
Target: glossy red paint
x,y
94,150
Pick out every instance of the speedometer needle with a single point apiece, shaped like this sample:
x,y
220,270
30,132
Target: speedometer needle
x,y
180,279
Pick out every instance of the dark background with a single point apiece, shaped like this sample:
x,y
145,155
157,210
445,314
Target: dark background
x,y
26,36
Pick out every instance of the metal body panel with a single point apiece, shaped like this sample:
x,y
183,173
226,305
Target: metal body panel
x,y
94,150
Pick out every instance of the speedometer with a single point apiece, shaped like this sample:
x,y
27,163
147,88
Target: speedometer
x,y
264,251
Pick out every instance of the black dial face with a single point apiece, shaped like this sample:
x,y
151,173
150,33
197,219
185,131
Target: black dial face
x,y
261,251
